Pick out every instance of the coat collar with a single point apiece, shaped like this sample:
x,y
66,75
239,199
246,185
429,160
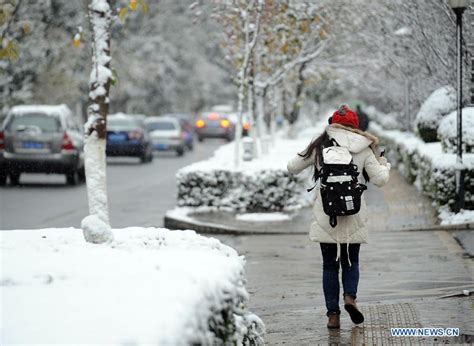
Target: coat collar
x,y
353,139
369,136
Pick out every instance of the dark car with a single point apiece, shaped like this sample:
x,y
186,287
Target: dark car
x,y
126,136
214,125
41,139
186,121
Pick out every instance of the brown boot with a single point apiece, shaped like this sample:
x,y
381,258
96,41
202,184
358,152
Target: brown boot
x,y
351,307
334,321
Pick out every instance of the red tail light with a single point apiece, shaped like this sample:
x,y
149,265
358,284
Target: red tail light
x,y
67,143
135,135
2,140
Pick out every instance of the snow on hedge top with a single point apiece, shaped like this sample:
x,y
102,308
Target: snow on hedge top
x,y
448,126
150,286
438,104
432,151
60,110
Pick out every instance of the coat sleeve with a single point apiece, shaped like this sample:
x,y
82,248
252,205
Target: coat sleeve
x,y
378,173
297,164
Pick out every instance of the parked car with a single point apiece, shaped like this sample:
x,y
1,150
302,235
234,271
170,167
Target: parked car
x,y
41,139
126,136
166,134
186,120
214,125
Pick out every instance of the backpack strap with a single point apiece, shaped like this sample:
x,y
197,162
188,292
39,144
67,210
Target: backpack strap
x,y
333,221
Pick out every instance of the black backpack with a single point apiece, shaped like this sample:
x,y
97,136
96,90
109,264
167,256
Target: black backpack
x,y
340,189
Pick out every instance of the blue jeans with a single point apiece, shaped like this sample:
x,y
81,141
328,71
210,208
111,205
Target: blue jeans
x,y
350,274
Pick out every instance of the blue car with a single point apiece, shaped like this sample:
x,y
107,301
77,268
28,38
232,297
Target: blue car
x,y
127,137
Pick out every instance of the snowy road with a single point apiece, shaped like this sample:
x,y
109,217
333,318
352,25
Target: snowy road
x,y
139,195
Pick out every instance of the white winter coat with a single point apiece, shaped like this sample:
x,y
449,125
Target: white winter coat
x,y
349,229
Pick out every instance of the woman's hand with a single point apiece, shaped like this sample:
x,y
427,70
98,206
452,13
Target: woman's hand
x,y
383,161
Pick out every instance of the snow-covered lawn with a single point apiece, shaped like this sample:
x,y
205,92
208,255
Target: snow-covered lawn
x,y
148,286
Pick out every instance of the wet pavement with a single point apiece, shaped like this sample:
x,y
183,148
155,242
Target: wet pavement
x,y
403,274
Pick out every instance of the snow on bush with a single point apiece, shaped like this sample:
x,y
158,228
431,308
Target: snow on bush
x,y
149,286
441,102
389,121
432,170
447,131
263,184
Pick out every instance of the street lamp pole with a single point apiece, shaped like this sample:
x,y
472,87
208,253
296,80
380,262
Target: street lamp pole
x,y
459,6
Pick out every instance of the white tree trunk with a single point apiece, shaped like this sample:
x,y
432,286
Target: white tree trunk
x,y
96,226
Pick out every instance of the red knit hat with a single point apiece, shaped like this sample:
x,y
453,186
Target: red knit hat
x,y
345,116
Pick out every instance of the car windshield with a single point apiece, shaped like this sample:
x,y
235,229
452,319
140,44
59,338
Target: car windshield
x,y
122,123
41,122
161,125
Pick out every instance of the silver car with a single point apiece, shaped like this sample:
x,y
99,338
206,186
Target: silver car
x,y
166,134
41,139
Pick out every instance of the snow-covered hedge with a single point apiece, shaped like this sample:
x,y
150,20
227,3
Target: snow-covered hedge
x,y
390,121
149,286
259,185
441,102
264,190
447,131
432,170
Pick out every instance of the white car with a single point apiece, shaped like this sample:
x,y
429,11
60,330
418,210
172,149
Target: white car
x,y
166,134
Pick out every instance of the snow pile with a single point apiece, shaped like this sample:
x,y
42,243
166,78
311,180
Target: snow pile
x,y
425,164
449,218
262,184
441,102
149,286
447,131
263,217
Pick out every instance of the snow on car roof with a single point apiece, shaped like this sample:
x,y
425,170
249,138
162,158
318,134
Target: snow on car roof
x,y
160,119
43,109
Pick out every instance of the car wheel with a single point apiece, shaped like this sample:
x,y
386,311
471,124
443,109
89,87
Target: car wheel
x,y
14,179
180,151
3,179
72,178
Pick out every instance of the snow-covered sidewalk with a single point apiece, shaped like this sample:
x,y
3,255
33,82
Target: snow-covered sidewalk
x,y
149,286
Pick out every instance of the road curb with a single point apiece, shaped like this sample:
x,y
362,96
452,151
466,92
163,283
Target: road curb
x,y
188,222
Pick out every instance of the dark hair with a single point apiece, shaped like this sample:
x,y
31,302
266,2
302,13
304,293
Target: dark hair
x,y
317,145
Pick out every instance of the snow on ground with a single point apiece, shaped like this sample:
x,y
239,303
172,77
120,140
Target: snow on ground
x,y
263,217
282,150
449,218
148,286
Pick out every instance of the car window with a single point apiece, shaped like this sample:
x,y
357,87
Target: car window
x,y
161,125
43,122
121,122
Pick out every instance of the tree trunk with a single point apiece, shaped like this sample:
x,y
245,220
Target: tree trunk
x,y
295,109
96,226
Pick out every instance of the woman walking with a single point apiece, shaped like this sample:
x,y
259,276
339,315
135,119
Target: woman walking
x,y
340,243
